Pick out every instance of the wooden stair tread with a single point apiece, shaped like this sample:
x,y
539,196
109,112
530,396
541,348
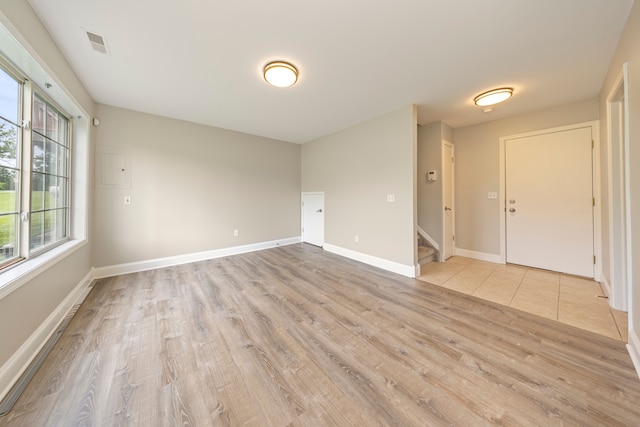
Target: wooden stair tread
x,y
425,251
426,254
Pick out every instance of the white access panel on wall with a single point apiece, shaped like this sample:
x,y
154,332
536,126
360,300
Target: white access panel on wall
x,y
113,167
549,201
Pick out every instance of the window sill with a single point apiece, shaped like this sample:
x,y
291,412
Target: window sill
x,y
15,277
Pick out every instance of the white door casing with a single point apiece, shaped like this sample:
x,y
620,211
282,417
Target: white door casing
x,y
549,201
313,218
619,272
448,200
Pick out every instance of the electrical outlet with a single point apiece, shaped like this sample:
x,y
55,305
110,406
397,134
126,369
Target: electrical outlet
x,y
236,233
391,198
492,195
127,200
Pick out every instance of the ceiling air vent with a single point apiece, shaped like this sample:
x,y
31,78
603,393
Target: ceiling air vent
x,y
97,42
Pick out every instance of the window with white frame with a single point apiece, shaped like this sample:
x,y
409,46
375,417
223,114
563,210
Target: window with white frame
x,y
34,171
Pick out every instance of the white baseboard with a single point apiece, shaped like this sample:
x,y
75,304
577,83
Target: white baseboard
x,y
478,255
134,267
634,349
11,371
394,267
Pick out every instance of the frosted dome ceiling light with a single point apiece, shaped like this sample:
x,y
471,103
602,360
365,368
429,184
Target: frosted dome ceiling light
x,y
280,74
493,96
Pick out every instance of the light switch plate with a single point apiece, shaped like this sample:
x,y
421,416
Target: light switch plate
x,y
493,195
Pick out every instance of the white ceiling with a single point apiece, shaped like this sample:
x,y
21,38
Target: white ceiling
x,y
201,60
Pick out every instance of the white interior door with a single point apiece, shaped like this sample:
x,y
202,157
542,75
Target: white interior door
x,y
549,201
447,188
313,218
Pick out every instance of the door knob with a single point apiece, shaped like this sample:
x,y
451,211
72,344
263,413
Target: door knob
x,y
447,209
512,210
319,210
512,201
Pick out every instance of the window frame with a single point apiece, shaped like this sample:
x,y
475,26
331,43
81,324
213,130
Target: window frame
x,y
24,166
69,171
20,80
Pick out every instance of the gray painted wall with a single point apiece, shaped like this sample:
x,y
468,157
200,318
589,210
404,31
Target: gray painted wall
x,y
191,187
477,170
357,168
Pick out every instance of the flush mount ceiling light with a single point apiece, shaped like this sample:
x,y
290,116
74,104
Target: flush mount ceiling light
x,y
493,96
280,74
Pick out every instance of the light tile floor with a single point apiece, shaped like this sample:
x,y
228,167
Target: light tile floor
x,y
568,299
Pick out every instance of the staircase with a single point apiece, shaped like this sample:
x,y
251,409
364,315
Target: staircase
x,y
426,253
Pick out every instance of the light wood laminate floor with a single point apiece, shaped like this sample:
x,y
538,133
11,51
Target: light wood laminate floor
x,y
297,336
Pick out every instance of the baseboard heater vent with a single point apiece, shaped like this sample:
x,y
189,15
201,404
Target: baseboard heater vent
x,y
12,397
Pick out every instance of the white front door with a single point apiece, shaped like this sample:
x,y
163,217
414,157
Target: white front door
x,y
313,218
447,186
549,201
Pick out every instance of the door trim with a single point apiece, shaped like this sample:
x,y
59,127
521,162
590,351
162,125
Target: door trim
x,y
619,298
595,159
